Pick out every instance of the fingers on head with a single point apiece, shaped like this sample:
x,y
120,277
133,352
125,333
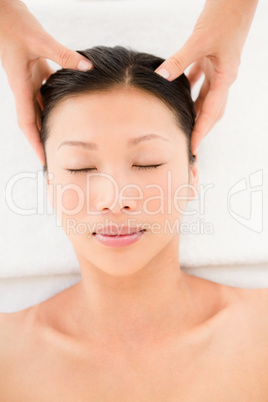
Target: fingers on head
x,y
30,123
194,74
202,95
211,104
186,55
26,112
62,55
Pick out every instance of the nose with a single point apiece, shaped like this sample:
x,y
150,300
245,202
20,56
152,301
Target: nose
x,y
116,202
106,203
116,192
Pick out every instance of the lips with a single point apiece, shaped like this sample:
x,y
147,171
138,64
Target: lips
x,y
111,230
119,240
119,235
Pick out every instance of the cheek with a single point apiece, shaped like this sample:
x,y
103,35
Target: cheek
x,y
175,189
180,190
70,200
167,194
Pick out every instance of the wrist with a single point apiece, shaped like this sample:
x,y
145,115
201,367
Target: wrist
x,y
245,8
8,5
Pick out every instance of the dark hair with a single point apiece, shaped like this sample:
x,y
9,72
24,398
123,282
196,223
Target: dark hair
x,y
116,67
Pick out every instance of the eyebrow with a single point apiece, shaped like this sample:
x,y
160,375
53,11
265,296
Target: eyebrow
x,y
131,141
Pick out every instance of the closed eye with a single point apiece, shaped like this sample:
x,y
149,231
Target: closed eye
x,y
90,169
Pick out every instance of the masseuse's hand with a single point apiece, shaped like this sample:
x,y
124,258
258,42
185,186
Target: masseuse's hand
x,y
215,47
24,46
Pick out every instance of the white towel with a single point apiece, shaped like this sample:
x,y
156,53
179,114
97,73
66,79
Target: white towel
x,y
233,153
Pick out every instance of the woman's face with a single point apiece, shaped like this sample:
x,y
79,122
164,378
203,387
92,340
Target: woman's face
x,y
116,191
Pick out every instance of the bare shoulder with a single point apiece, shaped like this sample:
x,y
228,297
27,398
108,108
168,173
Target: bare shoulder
x,y
12,329
246,310
9,325
253,302
13,339
250,318
7,346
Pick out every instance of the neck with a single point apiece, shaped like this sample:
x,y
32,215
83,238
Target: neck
x,y
154,302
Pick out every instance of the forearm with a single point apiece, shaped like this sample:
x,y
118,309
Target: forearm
x,y
18,27
224,25
244,9
6,6
8,17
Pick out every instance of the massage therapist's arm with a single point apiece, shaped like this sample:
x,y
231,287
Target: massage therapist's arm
x,y
215,47
24,46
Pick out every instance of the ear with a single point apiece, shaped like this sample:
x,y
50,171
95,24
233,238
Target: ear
x,y
193,181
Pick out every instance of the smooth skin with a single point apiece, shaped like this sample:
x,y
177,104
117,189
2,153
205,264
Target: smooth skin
x,y
136,327
24,48
215,48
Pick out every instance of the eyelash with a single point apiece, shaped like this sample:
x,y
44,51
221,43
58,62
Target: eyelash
x,y
74,171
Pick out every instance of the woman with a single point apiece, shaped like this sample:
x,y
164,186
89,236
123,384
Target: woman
x,y
136,327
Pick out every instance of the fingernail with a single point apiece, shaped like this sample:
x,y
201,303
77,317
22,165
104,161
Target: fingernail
x,y
163,72
84,65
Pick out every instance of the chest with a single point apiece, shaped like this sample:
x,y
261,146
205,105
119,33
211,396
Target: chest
x,y
215,369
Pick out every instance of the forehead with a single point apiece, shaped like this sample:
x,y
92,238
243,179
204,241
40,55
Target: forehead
x,y
121,111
